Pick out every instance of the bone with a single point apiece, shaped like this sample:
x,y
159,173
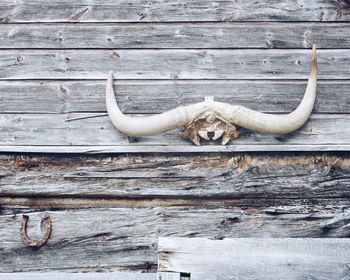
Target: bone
x,y
218,118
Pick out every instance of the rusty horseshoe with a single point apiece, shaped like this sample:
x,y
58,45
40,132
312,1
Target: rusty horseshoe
x,y
46,221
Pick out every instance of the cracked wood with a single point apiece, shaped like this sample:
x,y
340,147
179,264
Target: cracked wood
x,y
268,176
96,239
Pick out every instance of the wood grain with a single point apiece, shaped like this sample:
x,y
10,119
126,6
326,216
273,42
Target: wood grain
x,y
273,206
109,210
171,64
248,258
109,239
181,149
171,10
168,276
80,276
177,35
94,130
224,176
157,96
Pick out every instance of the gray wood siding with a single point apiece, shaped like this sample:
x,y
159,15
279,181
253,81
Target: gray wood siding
x,y
172,10
47,131
248,258
175,35
111,197
222,175
165,64
171,54
177,67
108,212
114,238
85,276
155,96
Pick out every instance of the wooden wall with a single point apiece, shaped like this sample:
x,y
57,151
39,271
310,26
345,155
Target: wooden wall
x,y
109,209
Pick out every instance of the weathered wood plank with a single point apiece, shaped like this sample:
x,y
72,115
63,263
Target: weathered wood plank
x,y
273,207
126,238
108,213
172,10
171,64
236,176
256,258
154,96
180,35
168,276
80,276
89,150
52,130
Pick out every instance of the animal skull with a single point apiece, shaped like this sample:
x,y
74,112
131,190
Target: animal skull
x,y
213,120
210,125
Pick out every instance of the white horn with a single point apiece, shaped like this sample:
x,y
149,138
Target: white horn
x,y
210,119
142,126
281,124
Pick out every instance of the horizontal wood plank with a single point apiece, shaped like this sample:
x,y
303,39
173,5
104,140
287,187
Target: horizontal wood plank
x,y
172,10
168,276
171,64
94,130
109,211
126,238
178,35
79,276
90,150
263,259
265,176
273,207
157,96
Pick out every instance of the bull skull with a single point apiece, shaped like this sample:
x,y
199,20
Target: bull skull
x,y
213,120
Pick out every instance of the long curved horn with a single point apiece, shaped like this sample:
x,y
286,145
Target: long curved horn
x,y
209,116
281,124
143,126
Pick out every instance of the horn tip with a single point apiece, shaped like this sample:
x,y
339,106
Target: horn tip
x,y
313,53
110,74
